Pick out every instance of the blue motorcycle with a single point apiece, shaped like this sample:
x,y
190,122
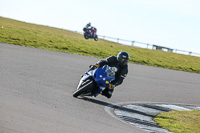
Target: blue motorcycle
x,y
95,81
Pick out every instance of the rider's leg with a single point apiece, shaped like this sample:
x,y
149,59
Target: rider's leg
x,y
107,92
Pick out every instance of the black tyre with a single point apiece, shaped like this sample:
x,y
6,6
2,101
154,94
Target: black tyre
x,y
96,38
86,37
83,89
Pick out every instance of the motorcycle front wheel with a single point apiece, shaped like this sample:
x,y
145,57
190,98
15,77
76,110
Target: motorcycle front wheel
x,y
86,88
85,35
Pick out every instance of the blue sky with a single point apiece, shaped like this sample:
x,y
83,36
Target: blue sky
x,y
170,23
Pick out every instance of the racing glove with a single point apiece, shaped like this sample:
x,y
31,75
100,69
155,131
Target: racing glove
x,y
111,86
96,65
92,67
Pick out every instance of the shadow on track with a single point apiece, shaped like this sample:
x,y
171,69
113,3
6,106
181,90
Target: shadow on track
x,y
125,118
110,105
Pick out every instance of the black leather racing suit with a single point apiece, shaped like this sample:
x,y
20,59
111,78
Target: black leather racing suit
x,y
121,73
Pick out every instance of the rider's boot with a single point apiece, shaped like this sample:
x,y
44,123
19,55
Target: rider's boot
x,y
107,93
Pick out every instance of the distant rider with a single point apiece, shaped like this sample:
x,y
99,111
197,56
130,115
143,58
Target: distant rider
x,y
88,28
93,31
88,25
120,62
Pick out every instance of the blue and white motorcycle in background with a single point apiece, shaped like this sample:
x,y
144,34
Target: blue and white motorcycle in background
x,y
95,81
87,33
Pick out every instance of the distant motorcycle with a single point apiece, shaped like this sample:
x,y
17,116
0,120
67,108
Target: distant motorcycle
x,y
95,81
90,33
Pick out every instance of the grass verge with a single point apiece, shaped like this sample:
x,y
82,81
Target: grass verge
x,y
44,37
180,121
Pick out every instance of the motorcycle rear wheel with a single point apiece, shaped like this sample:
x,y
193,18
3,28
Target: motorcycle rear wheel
x,y
96,38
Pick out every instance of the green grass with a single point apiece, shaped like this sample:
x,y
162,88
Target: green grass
x,y
180,121
44,37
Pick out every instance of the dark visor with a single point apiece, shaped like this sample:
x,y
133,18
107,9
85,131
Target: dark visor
x,y
123,61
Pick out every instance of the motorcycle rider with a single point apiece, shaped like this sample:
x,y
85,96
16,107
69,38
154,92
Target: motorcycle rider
x,y
120,62
88,27
93,31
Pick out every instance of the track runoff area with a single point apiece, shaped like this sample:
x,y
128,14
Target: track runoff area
x,y
141,114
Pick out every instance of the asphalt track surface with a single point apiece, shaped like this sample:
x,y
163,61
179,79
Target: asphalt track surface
x,y
36,89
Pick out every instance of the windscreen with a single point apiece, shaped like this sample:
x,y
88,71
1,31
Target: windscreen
x,y
110,71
